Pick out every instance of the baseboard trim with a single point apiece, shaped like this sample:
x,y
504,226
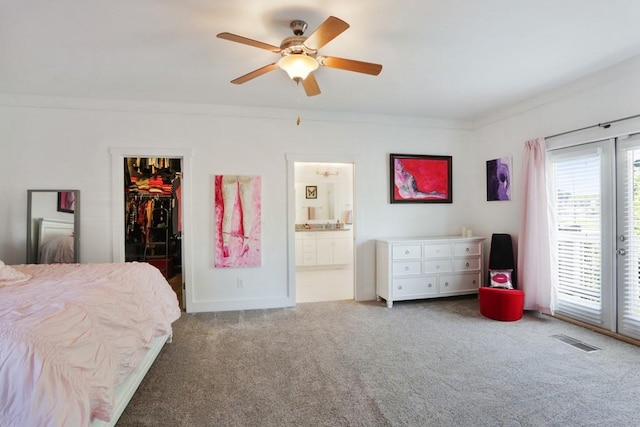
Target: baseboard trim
x,y
603,331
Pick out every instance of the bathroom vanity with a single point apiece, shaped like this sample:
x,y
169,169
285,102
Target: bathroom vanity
x,y
323,247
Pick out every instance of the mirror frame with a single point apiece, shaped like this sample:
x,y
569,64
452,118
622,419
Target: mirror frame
x,y
31,255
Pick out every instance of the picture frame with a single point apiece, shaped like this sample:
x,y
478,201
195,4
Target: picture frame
x,y
311,192
66,201
499,174
418,178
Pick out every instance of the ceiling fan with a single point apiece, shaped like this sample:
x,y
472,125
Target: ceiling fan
x,y
299,54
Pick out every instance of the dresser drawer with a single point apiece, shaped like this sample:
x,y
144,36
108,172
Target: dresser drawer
x,y
406,268
467,264
406,251
467,249
437,251
438,266
459,283
415,288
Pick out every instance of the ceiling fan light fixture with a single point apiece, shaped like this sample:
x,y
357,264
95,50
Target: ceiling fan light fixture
x,y
298,65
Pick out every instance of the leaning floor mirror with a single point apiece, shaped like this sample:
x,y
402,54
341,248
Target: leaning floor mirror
x,y
53,226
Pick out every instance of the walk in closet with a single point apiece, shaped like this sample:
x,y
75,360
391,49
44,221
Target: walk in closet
x,y
153,231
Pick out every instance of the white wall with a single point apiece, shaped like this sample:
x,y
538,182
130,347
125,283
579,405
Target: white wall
x,y
62,143
65,143
609,95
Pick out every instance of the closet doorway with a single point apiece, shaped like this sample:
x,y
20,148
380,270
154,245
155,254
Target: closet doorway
x,y
151,210
324,255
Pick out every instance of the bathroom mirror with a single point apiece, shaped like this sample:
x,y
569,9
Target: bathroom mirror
x,y
53,226
315,202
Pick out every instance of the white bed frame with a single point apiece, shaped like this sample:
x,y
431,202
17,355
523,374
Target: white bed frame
x,y
125,391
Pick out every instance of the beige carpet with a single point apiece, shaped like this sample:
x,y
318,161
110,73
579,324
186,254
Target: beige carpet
x,y
423,363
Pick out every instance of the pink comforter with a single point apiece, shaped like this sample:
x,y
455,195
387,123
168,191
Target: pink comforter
x,y
71,334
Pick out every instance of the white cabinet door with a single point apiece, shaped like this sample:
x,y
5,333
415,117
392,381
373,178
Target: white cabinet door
x,y
324,251
342,251
333,247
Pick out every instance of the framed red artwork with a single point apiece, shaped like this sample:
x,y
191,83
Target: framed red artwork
x,y
419,178
66,201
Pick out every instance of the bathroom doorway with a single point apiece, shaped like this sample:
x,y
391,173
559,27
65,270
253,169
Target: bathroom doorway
x,y
324,248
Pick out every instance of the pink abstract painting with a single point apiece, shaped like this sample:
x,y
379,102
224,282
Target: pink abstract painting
x,y
238,207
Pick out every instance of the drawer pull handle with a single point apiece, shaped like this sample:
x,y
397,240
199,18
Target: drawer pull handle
x,y
437,266
467,249
399,287
406,252
467,264
406,268
474,282
437,251
446,283
430,285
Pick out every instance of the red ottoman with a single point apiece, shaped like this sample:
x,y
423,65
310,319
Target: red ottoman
x,y
506,305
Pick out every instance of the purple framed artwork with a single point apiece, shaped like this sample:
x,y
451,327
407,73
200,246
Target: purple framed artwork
x,y
66,201
420,178
238,222
499,179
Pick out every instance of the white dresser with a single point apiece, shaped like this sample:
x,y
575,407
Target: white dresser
x,y
427,267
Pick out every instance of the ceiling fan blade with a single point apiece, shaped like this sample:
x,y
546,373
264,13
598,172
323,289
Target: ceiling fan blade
x,y
249,42
254,74
327,31
351,65
310,85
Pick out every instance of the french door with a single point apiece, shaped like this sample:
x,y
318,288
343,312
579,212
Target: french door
x,y
628,240
595,222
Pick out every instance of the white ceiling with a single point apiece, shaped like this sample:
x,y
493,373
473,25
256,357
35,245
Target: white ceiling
x,y
449,59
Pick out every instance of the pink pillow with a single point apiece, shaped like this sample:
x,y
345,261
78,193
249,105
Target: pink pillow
x,y
501,279
11,276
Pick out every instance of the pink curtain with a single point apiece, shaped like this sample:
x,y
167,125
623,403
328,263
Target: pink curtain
x,y
534,258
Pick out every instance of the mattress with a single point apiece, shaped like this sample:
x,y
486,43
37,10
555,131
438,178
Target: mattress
x,y
73,332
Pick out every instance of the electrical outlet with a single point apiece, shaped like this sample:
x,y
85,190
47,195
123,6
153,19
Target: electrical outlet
x,y
239,283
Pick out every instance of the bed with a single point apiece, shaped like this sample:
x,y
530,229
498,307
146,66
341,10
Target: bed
x,y
55,241
77,339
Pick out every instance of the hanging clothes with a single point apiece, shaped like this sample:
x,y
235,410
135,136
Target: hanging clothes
x,y
177,194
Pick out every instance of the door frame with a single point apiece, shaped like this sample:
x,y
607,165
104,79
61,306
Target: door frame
x,y
291,214
118,154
